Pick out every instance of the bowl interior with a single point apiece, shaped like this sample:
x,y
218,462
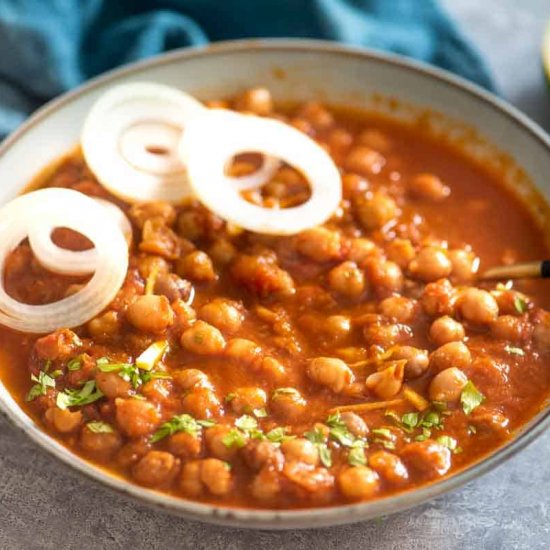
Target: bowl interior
x,y
298,70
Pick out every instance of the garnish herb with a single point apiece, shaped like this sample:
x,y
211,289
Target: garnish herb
x,y
514,351
470,398
229,397
181,423
286,391
318,438
410,420
384,437
449,442
234,438
278,435
43,382
75,363
356,455
99,427
259,413
520,304
78,397
339,431
130,373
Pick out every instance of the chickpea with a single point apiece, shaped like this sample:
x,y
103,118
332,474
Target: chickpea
x,y
112,385
376,139
196,266
64,421
147,263
465,264
185,445
203,339
541,335
358,482
401,251
184,315
214,442
223,314
353,184
150,313
399,308
173,287
288,403
156,468
101,444
222,251
261,275
388,466
191,378
201,403
355,424
453,354
246,400
339,140
141,212
478,306
386,335
216,476
258,454
273,369
132,451
190,479
337,327
417,360
364,161
157,390
105,327
385,277
510,328
60,344
347,279
447,385
427,457
317,115
445,329
388,382
300,450
243,350
136,418
330,372
360,249
319,244
266,484
438,298
376,210
429,187
255,100
431,264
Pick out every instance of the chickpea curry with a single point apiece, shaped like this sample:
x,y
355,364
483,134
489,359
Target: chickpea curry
x,y
347,361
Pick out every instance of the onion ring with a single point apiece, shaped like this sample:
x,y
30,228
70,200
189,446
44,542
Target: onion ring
x,y
72,262
211,140
63,208
130,142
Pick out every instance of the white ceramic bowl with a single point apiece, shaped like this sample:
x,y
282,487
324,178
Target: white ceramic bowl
x,y
296,70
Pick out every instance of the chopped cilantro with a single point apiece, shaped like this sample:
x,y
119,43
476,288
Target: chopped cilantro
x,y
448,441
130,373
514,351
181,423
278,435
78,397
75,363
325,455
339,431
356,456
99,427
259,413
520,304
43,382
318,438
246,423
470,398
410,420
286,391
229,397
234,438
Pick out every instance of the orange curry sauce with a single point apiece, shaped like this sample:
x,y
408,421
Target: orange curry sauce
x,y
385,286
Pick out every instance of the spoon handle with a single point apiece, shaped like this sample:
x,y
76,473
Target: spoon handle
x,y
529,270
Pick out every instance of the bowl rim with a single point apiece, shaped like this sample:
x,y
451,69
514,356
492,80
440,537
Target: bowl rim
x,y
276,518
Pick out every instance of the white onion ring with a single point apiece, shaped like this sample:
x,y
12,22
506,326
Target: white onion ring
x,y
63,208
72,262
130,142
211,140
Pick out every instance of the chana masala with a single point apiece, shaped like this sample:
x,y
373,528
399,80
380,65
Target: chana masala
x,y
346,361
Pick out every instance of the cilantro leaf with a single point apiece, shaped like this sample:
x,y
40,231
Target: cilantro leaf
x,y
180,423
356,456
43,382
246,423
325,455
75,363
234,438
410,420
447,441
99,427
470,398
278,435
520,304
339,431
78,397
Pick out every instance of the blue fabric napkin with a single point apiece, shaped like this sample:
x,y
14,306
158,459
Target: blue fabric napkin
x,y
50,46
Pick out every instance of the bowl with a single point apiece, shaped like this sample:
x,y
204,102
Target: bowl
x,y
481,123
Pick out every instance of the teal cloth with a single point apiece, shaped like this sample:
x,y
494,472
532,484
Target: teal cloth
x,y
50,46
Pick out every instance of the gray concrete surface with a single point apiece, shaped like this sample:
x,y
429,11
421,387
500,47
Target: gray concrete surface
x,y
43,505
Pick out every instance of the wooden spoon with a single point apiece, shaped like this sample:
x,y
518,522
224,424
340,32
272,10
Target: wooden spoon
x,y
528,270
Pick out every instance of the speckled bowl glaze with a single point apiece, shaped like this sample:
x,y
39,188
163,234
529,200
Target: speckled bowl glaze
x,y
298,70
